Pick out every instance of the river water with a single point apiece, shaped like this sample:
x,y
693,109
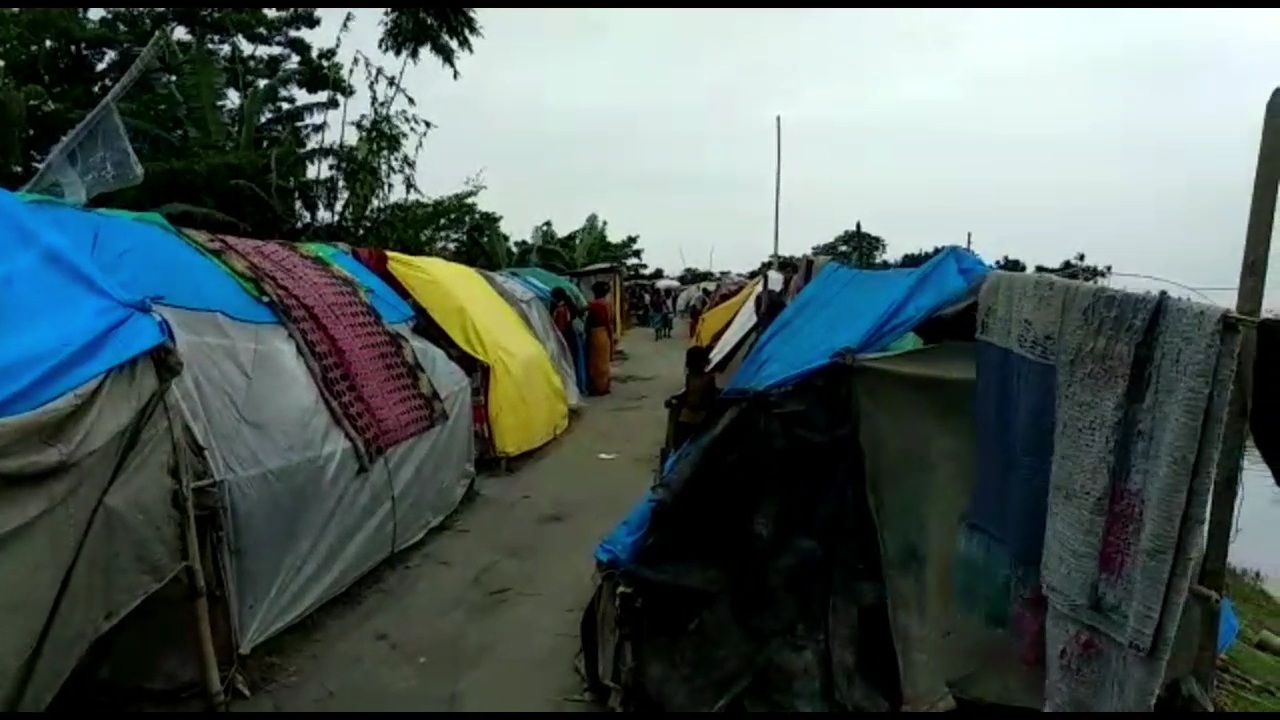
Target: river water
x,y
1254,538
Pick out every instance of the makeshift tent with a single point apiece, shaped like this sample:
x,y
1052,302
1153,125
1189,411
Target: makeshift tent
x,y
538,319
610,275
528,406
303,523
714,321
88,526
551,281
744,321
834,308
579,354
729,590
297,522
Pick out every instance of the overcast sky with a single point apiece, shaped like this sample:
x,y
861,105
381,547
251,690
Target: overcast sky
x,y
1129,135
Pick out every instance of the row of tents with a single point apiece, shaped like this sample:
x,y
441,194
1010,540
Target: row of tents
x,y
204,438
925,488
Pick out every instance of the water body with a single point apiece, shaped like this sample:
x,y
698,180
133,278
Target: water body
x,y
1256,537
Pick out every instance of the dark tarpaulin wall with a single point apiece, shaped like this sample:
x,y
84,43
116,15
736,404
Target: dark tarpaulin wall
x,y
758,584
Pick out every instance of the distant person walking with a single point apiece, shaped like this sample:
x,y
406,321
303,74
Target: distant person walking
x,y
659,311
599,340
697,306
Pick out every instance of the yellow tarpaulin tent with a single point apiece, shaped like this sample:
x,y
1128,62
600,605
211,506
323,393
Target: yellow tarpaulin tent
x,y
527,403
715,320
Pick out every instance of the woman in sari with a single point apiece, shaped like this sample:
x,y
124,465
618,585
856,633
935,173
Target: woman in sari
x,y
599,339
563,315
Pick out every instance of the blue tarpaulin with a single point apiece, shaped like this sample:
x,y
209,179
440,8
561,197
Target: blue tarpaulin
x,y
841,309
619,548
542,291
147,260
862,311
64,322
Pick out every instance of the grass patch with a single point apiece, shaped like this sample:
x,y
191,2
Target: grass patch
x,y
1249,678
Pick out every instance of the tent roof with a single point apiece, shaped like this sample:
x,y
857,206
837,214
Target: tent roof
x,y
552,281
849,310
67,321
142,255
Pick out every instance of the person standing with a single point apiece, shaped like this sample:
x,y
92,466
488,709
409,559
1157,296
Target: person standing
x,y
656,308
700,395
696,307
563,315
599,340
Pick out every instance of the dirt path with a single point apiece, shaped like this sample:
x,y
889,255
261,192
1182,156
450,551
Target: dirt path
x,y
483,616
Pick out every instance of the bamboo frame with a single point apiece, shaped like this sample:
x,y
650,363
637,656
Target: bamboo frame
x,y
1253,281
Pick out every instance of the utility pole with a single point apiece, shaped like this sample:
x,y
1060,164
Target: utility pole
x,y
968,241
777,186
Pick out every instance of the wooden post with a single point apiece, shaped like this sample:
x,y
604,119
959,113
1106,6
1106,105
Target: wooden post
x,y
1253,280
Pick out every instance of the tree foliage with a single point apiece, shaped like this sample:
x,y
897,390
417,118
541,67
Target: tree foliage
x,y
855,248
861,249
858,248
245,125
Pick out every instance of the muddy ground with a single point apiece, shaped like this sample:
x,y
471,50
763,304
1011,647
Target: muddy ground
x,y
483,615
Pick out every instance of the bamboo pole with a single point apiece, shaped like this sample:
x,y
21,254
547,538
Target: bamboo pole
x,y
1253,281
195,572
200,597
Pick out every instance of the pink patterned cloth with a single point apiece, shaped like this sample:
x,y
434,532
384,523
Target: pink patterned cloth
x,y
367,374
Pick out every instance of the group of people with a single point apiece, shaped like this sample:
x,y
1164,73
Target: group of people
x,y
656,308
589,332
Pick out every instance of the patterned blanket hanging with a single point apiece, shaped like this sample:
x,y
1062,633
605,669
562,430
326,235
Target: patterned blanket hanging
x,y
368,375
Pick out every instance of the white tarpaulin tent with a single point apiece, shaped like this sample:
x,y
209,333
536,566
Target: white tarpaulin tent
x,y
301,522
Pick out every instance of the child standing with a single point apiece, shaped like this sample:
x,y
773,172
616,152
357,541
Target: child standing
x,y
700,394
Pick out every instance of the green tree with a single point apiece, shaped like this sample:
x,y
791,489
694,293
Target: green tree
x,y
918,258
689,276
1009,264
855,248
232,126
1077,267
589,244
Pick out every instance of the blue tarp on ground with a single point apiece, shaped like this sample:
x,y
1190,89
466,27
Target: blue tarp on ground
x,y
149,261
862,311
63,321
842,309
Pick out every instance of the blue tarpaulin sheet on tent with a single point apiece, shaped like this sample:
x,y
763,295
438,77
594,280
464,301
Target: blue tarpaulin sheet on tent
x,y
846,309
841,309
619,548
64,322
542,291
149,261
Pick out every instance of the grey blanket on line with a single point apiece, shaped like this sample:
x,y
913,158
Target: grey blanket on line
x,y
1141,402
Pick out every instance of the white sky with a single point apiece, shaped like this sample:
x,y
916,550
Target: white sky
x,y
1130,135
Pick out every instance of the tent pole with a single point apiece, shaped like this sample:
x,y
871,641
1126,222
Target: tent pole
x,y
1253,280
195,570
